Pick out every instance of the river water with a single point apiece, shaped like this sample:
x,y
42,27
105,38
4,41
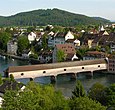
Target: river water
x,y
63,82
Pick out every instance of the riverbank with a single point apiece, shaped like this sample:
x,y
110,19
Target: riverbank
x,y
31,60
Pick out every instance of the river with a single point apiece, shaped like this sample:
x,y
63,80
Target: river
x,y
63,83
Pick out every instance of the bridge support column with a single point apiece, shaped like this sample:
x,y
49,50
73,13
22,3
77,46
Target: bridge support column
x,y
73,76
53,79
31,79
90,74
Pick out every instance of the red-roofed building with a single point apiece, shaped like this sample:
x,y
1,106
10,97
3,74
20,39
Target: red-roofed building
x,y
68,49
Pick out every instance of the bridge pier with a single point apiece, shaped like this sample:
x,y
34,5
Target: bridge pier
x,y
90,75
53,79
31,79
73,76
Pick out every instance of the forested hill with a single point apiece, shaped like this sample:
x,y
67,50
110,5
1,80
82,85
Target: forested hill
x,y
49,16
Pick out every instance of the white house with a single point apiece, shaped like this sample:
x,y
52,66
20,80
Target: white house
x,y
69,35
31,37
77,42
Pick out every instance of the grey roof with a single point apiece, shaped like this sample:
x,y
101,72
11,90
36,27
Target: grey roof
x,y
9,85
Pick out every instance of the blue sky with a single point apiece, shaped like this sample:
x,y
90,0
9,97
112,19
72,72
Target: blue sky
x,y
101,8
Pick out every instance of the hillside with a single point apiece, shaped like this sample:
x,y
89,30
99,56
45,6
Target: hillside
x,y
49,16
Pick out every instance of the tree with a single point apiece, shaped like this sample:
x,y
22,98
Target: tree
x,y
44,42
61,56
110,95
35,56
84,103
96,92
4,38
12,78
78,91
107,49
81,52
35,97
1,79
30,29
23,44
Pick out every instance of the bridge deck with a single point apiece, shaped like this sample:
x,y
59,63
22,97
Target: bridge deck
x,y
54,65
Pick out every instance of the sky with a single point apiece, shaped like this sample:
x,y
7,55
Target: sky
x,y
92,8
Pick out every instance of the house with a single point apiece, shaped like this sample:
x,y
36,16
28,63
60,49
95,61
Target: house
x,y
1,100
75,42
9,85
59,38
112,47
38,36
31,36
12,47
68,49
111,63
45,57
26,53
90,55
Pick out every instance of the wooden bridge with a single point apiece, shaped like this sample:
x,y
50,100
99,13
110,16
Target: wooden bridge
x,y
54,69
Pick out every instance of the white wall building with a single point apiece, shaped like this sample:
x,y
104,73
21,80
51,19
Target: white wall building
x,y
31,37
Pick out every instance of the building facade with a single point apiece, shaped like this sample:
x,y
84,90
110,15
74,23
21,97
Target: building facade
x,y
111,64
12,47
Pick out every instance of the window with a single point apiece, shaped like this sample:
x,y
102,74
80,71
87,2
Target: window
x,y
64,69
22,74
82,67
44,71
98,65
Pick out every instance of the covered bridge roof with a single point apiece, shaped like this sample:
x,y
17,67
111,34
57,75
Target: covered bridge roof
x,y
54,65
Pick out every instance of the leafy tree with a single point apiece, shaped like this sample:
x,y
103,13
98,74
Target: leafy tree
x,y
4,38
44,41
81,52
1,79
98,48
23,44
35,97
84,103
96,92
61,56
31,28
35,56
107,49
12,78
110,95
78,91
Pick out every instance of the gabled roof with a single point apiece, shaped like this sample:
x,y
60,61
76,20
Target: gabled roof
x,y
60,34
9,85
70,40
95,53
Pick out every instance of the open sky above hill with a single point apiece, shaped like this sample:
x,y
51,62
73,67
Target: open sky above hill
x,y
98,8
